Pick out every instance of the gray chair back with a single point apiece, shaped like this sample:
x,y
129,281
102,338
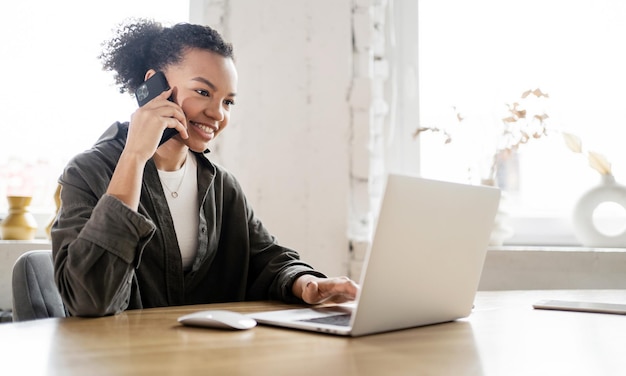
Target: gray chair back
x,y
35,294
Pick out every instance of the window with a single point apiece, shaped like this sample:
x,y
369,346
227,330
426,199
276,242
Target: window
x,y
56,100
477,56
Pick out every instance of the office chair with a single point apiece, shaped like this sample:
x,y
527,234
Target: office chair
x,y
35,294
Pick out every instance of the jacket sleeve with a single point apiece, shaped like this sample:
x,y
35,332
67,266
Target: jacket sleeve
x,y
273,268
97,243
274,265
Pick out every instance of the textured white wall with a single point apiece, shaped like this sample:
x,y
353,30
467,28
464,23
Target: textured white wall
x,y
289,139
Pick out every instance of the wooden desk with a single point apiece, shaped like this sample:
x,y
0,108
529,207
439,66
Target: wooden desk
x,y
503,336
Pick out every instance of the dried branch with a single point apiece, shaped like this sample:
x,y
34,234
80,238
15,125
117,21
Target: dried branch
x,y
596,160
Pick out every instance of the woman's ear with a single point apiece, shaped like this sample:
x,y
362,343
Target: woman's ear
x,y
151,72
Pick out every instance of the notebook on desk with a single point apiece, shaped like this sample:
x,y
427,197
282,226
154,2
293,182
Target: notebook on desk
x,y
424,264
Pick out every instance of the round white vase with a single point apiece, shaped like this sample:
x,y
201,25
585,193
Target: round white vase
x,y
585,229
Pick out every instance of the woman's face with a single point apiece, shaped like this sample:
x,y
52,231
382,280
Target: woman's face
x,y
205,86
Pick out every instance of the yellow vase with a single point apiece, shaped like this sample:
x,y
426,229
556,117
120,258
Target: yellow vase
x,y
20,223
57,202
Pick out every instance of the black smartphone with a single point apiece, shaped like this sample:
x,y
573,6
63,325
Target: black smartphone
x,y
150,89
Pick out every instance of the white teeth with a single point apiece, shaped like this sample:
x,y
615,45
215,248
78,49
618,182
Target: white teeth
x,y
204,128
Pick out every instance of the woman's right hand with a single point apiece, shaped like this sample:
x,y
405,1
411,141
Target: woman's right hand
x,y
144,133
148,123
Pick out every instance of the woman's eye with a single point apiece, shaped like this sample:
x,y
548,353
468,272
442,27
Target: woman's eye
x,y
229,102
204,93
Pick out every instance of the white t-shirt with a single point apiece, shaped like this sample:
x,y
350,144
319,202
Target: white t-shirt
x,y
183,184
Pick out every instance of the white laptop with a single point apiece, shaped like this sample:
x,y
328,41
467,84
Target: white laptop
x,y
424,264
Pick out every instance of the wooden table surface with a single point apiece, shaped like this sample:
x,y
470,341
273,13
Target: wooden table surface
x,y
503,336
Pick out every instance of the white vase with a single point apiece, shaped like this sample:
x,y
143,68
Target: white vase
x,y
585,229
502,231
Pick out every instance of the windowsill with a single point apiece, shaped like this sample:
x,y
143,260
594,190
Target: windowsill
x,y
551,248
14,248
29,241
517,267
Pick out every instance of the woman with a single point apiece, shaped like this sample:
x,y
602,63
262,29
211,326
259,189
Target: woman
x,y
143,225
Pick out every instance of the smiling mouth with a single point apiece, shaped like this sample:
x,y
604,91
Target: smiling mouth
x,y
203,128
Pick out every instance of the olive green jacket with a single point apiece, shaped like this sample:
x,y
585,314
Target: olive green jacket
x,y
109,258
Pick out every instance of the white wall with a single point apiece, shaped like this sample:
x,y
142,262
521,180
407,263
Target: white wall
x,y
289,138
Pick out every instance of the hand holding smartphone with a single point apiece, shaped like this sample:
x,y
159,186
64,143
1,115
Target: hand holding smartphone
x,y
150,89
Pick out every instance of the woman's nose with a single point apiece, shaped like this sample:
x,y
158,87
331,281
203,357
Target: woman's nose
x,y
215,111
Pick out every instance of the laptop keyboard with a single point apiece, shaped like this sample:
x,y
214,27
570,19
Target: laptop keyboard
x,y
338,320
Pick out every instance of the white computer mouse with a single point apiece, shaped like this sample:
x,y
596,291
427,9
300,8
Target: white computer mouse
x,y
220,319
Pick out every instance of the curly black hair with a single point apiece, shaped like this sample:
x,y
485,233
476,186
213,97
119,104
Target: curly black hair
x,y
139,45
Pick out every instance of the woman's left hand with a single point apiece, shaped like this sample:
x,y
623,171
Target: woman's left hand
x,y
314,290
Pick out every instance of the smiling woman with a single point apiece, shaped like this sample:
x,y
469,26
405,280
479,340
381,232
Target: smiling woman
x,y
55,93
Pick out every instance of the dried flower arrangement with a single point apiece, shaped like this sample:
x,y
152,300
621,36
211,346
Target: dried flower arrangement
x,y
597,161
518,127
